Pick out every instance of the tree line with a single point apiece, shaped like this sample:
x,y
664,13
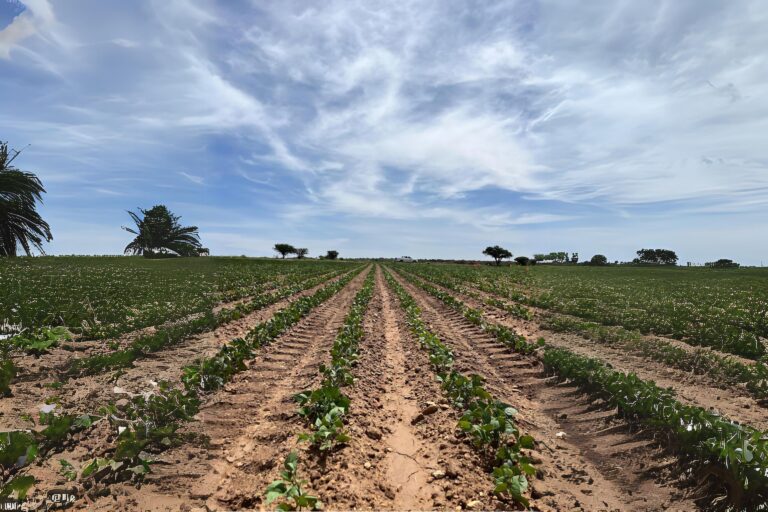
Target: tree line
x,y
285,249
644,257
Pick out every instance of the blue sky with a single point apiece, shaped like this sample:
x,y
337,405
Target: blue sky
x,y
427,128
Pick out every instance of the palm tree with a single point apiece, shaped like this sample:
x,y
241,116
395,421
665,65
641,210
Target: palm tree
x,y
20,224
159,232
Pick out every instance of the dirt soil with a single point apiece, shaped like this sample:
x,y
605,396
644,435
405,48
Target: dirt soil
x,y
589,458
733,401
86,394
405,452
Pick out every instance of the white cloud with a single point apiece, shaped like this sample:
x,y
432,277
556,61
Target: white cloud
x,y
495,116
199,180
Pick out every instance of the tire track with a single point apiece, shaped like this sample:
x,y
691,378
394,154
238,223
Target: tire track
x,y
250,425
589,458
391,461
732,401
86,394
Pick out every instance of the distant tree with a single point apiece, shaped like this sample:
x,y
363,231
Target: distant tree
x,y
598,259
160,233
656,256
539,257
523,260
722,263
666,257
558,257
497,253
20,224
331,255
300,253
284,249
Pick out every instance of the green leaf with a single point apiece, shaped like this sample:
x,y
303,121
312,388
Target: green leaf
x,y
20,485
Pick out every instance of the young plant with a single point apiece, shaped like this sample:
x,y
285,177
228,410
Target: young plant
x,y
288,489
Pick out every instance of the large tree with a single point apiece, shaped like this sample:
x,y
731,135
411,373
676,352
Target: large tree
x,y
331,255
657,256
20,224
160,232
284,249
301,252
497,253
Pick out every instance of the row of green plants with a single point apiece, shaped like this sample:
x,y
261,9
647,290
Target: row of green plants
x,y
101,297
488,423
513,308
324,408
148,423
726,311
721,369
737,454
146,344
724,371
168,336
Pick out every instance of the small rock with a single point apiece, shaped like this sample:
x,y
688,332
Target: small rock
x,y
430,409
560,435
367,465
417,419
452,471
438,474
473,504
373,434
122,404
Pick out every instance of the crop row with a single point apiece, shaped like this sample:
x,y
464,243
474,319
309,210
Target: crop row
x,y
148,423
168,336
324,408
488,422
722,369
160,339
727,312
736,454
104,297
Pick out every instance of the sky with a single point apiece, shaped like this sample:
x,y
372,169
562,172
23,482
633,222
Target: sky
x,y
426,128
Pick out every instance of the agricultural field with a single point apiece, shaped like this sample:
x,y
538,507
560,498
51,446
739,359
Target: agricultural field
x,y
244,384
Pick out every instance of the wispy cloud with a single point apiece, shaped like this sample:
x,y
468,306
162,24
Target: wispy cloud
x,y
199,180
499,117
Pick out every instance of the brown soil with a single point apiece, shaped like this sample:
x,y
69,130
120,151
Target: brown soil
x,y
34,369
589,458
734,402
251,425
87,394
396,460
541,314
405,452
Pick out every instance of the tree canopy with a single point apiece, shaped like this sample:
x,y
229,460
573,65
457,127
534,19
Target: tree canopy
x,y
301,252
497,253
284,249
656,256
20,224
598,259
722,263
159,233
331,255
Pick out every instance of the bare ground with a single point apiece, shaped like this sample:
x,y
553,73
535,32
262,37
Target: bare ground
x,y
597,462
86,394
251,425
734,402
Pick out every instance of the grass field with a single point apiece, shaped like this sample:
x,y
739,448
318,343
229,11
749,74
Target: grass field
x,y
235,383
